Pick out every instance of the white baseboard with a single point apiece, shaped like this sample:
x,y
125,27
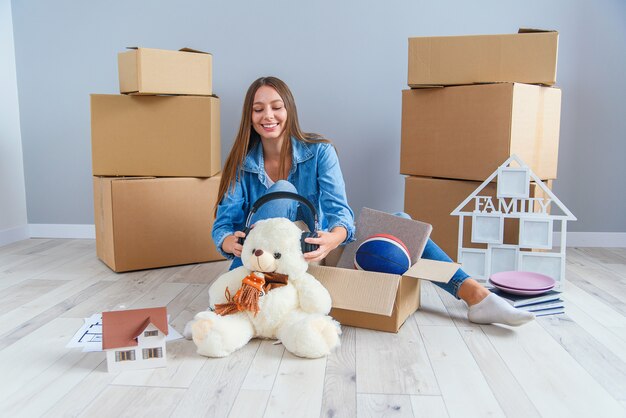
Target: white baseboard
x,y
7,236
61,231
592,239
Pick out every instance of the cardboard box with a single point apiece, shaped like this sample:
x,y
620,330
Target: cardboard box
x,y
432,200
163,136
158,71
145,223
466,132
526,57
373,300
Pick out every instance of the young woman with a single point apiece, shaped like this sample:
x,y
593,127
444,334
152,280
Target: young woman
x,y
271,153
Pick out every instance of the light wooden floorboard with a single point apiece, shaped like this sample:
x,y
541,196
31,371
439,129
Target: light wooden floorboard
x,y
339,397
553,380
177,305
505,387
56,311
82,394
22,247
298,388
605,367
217,384
438,365
85,264
604,279
508,392
197,304
432,310
612,338
374,406
605,284
130,401
597,308
264,367
428,407
394,363
601,256
48,388
122,294
37,305
44,257
250,403
457,309
463,385
24,292
28,267
22,362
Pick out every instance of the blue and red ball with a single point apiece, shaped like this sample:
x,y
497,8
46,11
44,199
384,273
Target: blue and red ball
x,y
382,253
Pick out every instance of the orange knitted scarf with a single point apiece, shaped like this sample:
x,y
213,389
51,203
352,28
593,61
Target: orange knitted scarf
x,y
252,287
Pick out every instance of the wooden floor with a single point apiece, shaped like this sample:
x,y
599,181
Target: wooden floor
x,y
438,365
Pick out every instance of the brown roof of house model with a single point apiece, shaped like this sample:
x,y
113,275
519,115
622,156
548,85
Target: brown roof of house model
x,y
121,328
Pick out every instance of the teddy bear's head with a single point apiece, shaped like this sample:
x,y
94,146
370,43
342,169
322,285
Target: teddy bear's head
x,y
273,245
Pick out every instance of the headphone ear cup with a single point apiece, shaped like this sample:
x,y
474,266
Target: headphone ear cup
x,y
240,240
306,247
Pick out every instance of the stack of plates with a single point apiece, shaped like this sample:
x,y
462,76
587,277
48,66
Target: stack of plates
x,y
523,283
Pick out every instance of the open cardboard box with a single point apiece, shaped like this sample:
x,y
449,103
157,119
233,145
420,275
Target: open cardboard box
x,y
373,300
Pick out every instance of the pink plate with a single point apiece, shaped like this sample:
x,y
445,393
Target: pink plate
x,y
522,280
521,292
513,288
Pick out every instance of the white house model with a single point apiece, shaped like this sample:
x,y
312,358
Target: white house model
x,y
536,221
134,339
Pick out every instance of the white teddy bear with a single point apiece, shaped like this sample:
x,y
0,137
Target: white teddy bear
x,y
270,296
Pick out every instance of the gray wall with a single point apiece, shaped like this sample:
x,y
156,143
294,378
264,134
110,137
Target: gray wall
x,y
12,189
346,63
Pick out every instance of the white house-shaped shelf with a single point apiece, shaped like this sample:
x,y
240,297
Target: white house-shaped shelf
x,y
537,216
135,339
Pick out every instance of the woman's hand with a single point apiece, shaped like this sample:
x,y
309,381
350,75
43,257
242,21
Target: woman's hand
x,y
327,242
231,244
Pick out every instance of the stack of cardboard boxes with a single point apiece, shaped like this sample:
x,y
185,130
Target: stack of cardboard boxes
x,y
156,161
475,101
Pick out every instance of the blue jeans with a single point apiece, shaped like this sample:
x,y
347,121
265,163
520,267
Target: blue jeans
x,y
433,252
279,208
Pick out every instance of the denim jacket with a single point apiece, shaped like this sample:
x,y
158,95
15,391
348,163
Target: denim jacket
x,y
315,173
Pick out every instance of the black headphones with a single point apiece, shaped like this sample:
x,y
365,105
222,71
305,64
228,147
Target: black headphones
x,y
306,247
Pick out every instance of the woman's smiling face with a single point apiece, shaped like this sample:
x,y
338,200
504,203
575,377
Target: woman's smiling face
x,y
268,113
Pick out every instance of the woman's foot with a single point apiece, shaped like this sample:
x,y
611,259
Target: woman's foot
x,y
495,310
485,307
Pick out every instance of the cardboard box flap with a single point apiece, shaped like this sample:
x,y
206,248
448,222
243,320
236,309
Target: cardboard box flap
x,y
197,51
532,30
433,270
358,290
414,234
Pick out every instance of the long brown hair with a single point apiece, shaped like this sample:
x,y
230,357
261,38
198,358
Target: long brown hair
x,y
247,137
